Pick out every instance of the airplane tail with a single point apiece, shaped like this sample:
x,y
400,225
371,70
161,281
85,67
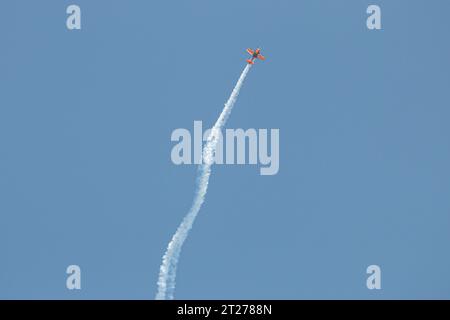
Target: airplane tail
x,y
250,61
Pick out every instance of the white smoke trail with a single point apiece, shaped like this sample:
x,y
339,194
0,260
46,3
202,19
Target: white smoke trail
x,y
168,269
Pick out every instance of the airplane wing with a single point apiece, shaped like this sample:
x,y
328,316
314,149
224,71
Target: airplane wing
x,y
250,51
261,57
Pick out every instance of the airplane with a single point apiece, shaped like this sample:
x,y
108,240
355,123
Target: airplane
x,y
255,55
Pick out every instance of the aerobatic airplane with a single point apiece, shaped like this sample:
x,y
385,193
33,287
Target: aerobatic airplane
x,y
255,55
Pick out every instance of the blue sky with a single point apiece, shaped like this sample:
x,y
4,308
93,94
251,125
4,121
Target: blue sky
x,y
85,170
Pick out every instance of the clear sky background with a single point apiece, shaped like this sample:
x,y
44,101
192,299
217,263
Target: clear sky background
x,y
85,170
